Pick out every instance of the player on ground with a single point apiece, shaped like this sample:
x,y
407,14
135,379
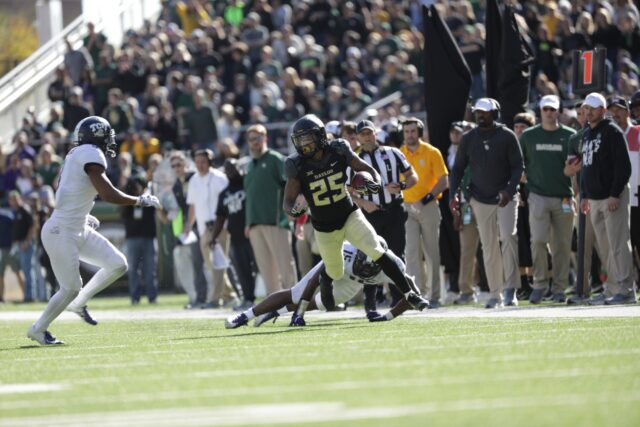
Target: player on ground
x,y
318,172
69,235
359,270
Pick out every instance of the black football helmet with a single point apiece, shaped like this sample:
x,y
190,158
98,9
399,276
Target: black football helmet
x,y
96,131
364,267
309,129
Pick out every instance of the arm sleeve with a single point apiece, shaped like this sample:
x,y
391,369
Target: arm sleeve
x,y
515,161
92,155
439,168
290,168
622,168
459,165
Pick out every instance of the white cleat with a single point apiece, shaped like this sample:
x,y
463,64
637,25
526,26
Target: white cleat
x,y
43,338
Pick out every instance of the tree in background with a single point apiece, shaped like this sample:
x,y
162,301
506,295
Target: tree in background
x,y
14,28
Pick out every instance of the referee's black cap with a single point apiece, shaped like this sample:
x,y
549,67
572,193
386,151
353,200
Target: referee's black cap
x,y
365,124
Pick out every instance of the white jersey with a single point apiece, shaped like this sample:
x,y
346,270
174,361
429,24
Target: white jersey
x,y
347,286
76,194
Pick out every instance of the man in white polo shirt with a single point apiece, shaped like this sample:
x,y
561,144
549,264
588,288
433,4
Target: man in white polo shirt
x,y
205,187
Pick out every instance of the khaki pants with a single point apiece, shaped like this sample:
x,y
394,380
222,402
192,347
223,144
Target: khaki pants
x,y
611,231
423,233
469,239
220,287
356,231
272,250
498,234
549,223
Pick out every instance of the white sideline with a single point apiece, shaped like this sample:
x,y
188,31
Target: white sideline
x,y
558,311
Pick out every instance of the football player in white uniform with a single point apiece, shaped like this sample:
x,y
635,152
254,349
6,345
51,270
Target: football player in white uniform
x,y
69,235
359,270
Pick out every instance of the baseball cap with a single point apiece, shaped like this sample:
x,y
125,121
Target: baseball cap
x,y
618,101
550,101
485,104
459,126
365,124
595,100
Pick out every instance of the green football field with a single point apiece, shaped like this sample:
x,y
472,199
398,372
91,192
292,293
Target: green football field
x,y
163,366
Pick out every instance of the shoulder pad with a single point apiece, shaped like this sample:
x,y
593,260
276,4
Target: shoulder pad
x,y
292,165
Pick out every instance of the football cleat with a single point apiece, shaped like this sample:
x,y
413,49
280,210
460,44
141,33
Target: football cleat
x,y
297,320
43,338
266,317
233,322
84,315
417,302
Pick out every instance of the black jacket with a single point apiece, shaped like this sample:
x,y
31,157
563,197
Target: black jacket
x,y
606,167
495,162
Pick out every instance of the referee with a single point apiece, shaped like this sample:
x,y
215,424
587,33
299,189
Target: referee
x,y
385,210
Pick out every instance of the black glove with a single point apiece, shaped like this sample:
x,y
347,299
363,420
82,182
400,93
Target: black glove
x,y
297,320
372,315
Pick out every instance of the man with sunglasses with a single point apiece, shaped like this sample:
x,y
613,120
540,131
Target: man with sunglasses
x,y
545,148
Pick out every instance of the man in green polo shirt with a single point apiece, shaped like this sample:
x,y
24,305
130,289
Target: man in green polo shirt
x,y
544,149
266,222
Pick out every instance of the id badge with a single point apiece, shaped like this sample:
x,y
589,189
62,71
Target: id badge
x,y
566,205
467,215
137,213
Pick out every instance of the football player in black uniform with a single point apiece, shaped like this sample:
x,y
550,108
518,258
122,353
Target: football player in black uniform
x,y
318,171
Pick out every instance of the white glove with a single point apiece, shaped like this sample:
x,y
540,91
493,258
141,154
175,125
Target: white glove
x,y
93,222
148,200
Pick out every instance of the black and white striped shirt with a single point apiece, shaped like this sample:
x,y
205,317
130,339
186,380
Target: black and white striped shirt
x,y
390,163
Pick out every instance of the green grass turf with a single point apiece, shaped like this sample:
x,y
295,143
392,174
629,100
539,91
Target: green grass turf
x,y
414,371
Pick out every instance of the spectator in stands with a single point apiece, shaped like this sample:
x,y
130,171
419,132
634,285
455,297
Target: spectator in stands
x,y
268,229
23,149
117,113
201,122
60,88
76,62
254,35
140,233
23,183
23,233
74,109
7,256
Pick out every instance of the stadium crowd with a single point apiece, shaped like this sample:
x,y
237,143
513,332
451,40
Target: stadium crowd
x,y
209,82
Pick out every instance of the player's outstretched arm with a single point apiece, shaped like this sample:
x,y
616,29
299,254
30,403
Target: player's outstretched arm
x,y
291,191
111,194
297,319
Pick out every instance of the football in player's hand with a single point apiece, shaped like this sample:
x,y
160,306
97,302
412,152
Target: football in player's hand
x,y
359,181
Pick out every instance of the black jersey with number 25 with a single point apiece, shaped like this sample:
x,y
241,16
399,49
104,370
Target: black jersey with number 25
x,y
323,185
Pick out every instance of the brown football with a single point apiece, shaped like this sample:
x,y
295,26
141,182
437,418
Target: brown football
x,y
359,180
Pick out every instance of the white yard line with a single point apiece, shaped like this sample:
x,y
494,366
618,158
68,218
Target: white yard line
x,y
30,388
301,413
209,390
